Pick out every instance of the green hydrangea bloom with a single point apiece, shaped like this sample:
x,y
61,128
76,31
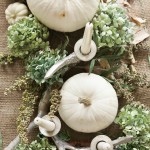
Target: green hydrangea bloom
x,y
38,66
134,119
27,35
112,27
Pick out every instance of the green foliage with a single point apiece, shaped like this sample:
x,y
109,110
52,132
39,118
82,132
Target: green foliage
x,y
38,66
112,27
27,35
39,144
134,119
64,135
92,64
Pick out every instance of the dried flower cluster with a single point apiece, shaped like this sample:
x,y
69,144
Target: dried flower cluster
x,y
127,82
6,59
55,101
21,83
25,112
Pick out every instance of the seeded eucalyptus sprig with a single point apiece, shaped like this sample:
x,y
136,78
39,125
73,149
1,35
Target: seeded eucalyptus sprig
x,y
25,112
29,96
112,27
27,35
55,102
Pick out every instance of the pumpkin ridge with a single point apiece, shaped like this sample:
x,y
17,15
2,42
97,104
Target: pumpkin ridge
x,y
107,114
69,92
103,121
73,115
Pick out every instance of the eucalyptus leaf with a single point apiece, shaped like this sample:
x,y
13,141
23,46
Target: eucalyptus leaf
x,y
92,64
107,72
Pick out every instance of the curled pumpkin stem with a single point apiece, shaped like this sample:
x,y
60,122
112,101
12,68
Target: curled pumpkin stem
x,y
85,101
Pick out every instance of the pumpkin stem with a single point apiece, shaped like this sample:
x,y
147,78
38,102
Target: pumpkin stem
x,y
85,101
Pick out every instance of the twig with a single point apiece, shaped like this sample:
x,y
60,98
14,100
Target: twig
x,y
132,69
132,58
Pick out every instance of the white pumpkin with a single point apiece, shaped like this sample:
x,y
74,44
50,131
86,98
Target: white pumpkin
x,y
89,103
15,12
64,15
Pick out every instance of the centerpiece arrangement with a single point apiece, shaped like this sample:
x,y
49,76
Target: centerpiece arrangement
x,y
87,99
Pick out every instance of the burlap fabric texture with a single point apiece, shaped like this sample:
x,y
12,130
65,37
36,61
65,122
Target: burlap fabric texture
x,y
9,105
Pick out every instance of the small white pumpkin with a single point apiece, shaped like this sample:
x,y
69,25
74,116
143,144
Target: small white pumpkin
x,y
89,103
64,15
15,12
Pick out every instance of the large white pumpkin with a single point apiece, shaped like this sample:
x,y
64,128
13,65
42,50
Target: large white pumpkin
x,y
64,15
89,103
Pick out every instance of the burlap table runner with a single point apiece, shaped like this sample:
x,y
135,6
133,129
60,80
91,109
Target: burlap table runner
x,y
9,104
